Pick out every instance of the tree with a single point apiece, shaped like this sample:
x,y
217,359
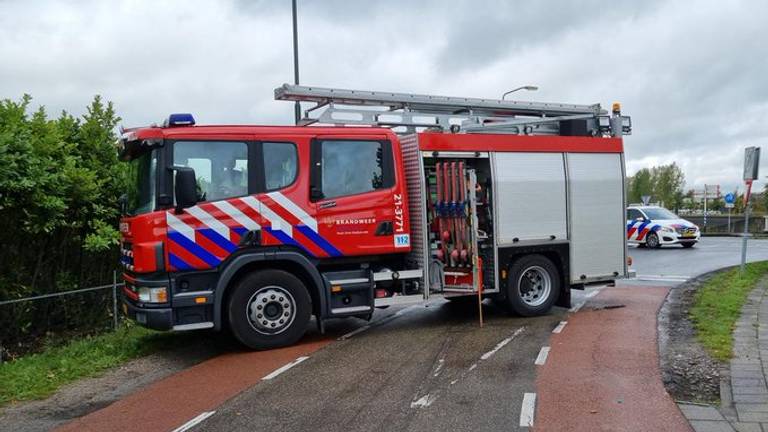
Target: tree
x,y
663,183
640,184
668,182
59,184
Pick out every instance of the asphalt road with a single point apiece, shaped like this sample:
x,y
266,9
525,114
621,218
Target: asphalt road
x,y
432,368
671,265
429,368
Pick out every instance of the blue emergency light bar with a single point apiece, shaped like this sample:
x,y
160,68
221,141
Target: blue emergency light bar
x,y
180,119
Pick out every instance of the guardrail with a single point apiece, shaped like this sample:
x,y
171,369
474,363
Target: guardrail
x,y
33,314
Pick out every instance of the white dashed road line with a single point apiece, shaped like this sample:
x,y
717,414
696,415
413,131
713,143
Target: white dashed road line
x,y
528,410
542,357
194,422
284,368
501,344
423,401
559,327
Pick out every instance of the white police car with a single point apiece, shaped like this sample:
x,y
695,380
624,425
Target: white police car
x,y
654,226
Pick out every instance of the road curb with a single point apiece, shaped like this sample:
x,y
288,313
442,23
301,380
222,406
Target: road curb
x,y
743,384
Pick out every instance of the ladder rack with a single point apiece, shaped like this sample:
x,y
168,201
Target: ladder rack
x,y
413,111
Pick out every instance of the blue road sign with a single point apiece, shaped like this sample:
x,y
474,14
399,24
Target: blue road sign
x,y
729,198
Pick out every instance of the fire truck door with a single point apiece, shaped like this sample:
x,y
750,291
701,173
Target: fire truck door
x,y
353,189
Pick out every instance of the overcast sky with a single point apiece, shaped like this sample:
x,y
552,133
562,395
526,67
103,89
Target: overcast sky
x,y
691,74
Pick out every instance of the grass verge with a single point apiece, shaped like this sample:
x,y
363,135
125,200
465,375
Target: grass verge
x,y
36,376
717,306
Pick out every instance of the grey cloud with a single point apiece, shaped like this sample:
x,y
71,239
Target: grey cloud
x,y
692,75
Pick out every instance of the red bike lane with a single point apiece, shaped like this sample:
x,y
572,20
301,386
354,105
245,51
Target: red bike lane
x,y
171,402
602,373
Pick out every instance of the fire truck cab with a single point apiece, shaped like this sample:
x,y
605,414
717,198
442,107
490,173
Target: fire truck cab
x,y
258,228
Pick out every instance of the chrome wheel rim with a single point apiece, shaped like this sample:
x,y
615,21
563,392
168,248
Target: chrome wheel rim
x,y
271,310
534,286
652,240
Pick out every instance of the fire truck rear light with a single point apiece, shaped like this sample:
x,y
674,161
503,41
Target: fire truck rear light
x,y
180,119
200,300
153,295
336,289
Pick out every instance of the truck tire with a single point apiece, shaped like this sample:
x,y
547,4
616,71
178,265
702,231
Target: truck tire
x,y
533,285
269,309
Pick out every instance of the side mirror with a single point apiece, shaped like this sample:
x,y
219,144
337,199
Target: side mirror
x,y
185,187
123,203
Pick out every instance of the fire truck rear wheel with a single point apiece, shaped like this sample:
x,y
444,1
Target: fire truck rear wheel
x,y
269,309
533,285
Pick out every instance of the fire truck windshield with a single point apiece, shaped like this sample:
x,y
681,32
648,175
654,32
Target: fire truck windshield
x,y
142,173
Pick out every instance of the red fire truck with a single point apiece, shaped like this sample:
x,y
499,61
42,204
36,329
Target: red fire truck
x,y
398,198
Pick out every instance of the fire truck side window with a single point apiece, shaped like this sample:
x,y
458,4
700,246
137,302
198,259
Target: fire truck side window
x,y
279,164
221,167
354,167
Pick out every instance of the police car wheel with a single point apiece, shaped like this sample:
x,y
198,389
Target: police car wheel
x,y
652,241
533,285
269,309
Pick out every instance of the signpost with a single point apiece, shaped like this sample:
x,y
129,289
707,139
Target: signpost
x,y
729,199
751,168
709,192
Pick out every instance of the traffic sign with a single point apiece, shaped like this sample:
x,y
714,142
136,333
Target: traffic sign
x,y
729,198
646,199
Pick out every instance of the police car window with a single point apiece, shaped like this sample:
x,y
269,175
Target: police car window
x,y
633,214
280,162
221,167
351,167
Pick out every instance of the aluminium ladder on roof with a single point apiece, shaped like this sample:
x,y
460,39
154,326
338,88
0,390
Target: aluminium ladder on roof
x,y
411,111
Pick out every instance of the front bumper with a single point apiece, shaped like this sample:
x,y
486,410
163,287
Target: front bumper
x,y
667,238
154,318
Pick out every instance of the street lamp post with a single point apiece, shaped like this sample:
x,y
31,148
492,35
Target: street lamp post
x,y
297,106
525,87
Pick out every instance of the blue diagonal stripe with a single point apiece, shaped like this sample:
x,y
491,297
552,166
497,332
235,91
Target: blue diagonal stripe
x,y
218,239
178,263
285,239
318,240
193,248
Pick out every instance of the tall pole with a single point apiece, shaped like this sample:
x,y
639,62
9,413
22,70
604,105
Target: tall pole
x,y
705,207
746,226
297,106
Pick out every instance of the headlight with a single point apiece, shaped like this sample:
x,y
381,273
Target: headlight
x,y
668,229
153,295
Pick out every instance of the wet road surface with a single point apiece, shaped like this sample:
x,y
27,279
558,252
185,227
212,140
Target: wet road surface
x,y
432,368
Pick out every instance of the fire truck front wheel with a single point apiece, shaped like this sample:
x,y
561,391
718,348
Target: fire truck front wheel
x,y
533,285
269,309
